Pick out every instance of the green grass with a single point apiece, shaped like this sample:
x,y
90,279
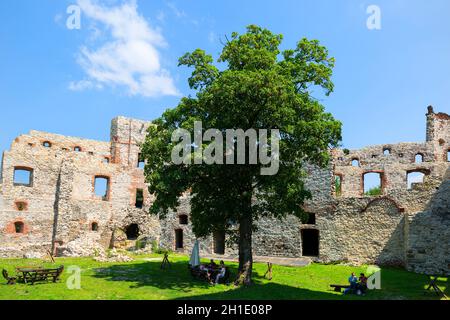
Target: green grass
x,y
143,279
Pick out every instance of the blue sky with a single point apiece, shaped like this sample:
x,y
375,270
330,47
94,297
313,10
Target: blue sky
x,y
70,81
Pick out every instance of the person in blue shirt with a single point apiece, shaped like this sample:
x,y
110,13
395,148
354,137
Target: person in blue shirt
x,y
353,280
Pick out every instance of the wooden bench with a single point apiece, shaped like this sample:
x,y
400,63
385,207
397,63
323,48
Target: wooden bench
x,y
10,280
339,287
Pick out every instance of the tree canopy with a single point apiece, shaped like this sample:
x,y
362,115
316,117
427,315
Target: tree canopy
x,y
260,87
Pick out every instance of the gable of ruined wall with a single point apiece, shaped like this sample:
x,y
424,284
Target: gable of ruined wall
x,y
127,135
363,231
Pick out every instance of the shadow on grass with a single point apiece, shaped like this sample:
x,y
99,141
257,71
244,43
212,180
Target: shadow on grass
x,y
178,277
267,291
396,284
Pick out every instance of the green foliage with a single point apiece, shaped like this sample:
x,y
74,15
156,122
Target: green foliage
x,y
376,191
140,244
158,250
260,88
154,246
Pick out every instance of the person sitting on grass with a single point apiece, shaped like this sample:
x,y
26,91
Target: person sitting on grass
x,y
353,283
212,265
206,271
222,272
362,284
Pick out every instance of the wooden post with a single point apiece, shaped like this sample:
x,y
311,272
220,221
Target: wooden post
x,y
51,256
269,271
165,261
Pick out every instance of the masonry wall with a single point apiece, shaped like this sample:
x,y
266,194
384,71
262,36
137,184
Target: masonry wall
x,y
58,211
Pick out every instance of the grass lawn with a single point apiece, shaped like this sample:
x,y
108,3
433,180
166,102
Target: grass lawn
x,y
143,279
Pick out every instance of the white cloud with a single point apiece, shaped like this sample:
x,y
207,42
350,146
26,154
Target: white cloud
x,y
212,37
129,57
83,85
178,13
161,17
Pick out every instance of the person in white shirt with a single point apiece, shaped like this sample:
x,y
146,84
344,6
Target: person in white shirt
x,y
222,272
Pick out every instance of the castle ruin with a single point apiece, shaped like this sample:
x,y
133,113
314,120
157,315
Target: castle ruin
x,y
73,196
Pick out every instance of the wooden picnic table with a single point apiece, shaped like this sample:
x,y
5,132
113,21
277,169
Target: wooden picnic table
x,y
27,272
36,274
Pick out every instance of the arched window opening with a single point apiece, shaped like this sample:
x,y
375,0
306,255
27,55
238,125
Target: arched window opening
x,y
418,158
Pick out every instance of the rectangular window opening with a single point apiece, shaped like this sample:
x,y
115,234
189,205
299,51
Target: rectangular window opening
x,y
139,198
373,184
23,177
141,162
102,188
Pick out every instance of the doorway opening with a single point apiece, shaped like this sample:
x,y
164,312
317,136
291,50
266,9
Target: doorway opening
x,y
219,242
310,242
179,239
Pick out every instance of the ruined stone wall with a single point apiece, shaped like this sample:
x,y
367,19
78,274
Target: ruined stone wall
x,y
61,204
399,226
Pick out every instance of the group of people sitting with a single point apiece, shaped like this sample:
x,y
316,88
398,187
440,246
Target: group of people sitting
x,y
357,285
213,272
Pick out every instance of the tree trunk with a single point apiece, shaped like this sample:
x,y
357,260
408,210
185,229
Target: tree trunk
x,y
245,250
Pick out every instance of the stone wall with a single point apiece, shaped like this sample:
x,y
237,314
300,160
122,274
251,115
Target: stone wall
x,y
60,209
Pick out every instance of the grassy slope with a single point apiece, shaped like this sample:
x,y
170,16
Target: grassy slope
x,y
142,279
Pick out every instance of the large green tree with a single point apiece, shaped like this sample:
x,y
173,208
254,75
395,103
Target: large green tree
x,y
258,87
